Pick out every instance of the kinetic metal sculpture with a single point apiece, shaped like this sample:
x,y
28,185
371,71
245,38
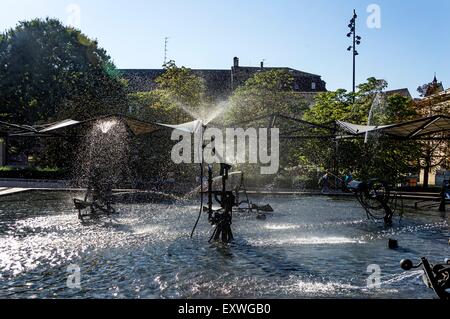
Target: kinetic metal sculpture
x,y
223,217
445,195
226,194
436,277
103,154
98,200
228,198
375,196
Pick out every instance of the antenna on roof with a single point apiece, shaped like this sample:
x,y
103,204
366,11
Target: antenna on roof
x,y
166,43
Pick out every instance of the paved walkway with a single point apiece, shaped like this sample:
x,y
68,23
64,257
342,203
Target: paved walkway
x,y
307,193
12,190
30,183
14,186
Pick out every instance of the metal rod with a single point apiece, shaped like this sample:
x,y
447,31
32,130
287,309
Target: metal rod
x,y
354,56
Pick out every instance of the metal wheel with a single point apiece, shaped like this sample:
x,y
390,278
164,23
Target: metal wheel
x,y
376,195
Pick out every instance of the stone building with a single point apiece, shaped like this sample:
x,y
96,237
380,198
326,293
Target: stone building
x,y
221,83
435,100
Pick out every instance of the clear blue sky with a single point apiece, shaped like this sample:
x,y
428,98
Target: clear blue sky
x,y
412,43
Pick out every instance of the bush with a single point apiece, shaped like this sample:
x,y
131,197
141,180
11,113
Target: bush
x,y
304,182
282,181
258,180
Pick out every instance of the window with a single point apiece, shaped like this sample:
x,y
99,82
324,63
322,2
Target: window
x,y
313,85
296,87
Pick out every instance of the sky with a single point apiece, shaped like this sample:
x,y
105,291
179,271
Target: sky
x,y
403,41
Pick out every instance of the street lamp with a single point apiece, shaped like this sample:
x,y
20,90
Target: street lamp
x,y
352,48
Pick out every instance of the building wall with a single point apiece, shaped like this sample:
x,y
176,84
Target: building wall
x,y
436,104
222,83
303,82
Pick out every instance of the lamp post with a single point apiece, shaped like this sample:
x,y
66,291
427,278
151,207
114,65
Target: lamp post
x,y
352,48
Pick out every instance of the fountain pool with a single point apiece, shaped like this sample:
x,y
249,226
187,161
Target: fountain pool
x,y
311,247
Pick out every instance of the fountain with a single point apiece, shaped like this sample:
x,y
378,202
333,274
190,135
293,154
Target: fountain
x,y
102,165
375,196
227,199
147,253
377,105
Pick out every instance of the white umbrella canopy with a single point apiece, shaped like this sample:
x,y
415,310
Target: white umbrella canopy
x,y
419,128
356,129
412,129
196,128
7,129
190,127
59,125
136,126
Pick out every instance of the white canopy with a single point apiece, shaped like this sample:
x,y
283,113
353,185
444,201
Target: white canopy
x,y
136,126
419,128
191,127
412,129
59,125
356,129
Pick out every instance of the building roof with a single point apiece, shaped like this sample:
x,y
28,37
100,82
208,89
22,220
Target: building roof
x,y
218,81
438,98
143,80
294,72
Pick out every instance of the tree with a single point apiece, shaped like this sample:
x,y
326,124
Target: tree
x,y
431,88
181,86
49,71
179,97
433,153
381,158
265,93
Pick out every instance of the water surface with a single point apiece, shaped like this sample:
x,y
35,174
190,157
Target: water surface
x,y
311,247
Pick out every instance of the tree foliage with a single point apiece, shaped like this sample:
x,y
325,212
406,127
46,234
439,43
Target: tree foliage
x,y
49,71
265,93
434,154
177,98
380,158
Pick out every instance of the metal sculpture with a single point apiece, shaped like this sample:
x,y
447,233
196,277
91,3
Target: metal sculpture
x,y
436,277
221,218
227,196
375,196
97,202
445,195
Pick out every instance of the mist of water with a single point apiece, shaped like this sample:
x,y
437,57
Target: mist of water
x,y
104,154
206,112
377,108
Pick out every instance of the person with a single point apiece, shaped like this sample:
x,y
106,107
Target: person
x,y
348,178
445,195
346,181
324,183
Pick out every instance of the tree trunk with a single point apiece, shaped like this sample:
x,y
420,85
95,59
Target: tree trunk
x,y
426,176
4,151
